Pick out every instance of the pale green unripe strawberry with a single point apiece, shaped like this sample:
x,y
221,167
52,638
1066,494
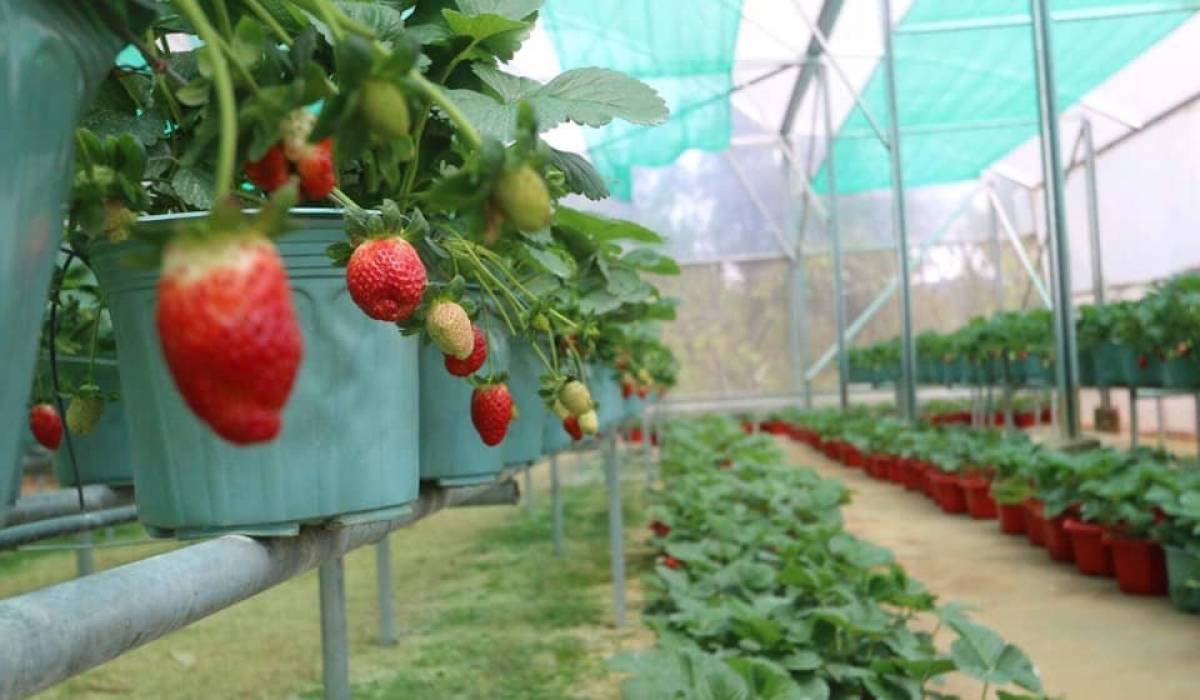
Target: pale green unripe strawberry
x,y
450,329
576,397
384,109
524,199
559,409
83,413
589,423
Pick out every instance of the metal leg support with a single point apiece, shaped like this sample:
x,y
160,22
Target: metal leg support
x,y
335,657
1160,420
383,585
556,506
1133,417
647,449
528,487
85,561
616,529
1008,408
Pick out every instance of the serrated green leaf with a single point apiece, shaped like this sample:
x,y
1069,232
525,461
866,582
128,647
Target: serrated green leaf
x,y
982,654
512,9
580,176
480,27
602,228
386,21
552,261
194,186
651,261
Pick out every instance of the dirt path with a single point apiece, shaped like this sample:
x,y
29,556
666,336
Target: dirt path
x,y
1088,640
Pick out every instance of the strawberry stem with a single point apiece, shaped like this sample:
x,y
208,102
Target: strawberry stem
x,y
227,108
439,98
268,19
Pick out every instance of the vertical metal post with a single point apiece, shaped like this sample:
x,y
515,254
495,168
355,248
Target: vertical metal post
x,y
1133,417
1008,408
997,255
556,507
335,657
647,448
1064,317
616,529
808,402
85,560
908,361
1160,420
1093,215
835,238
383,591
1197,421
528,478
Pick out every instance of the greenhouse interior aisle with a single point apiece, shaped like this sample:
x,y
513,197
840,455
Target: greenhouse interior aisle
x,y
1087,639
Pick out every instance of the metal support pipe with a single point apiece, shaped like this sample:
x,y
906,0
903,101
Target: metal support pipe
x,y
383,592
908,355
1196,406
616,529
13,537
58,632
53,504
647,462
1093,212
1066,360
1015,238
835,237
556,507
85,559
1160,421
998,257
335,654
1133,418
528,478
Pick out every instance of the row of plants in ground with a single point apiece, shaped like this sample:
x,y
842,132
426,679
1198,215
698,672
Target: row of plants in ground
x,y
760,592
1133,514
1149,342
437,312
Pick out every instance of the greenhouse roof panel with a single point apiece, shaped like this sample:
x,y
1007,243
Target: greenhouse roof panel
x,y
965,81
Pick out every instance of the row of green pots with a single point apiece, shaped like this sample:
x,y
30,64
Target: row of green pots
x,y
359,433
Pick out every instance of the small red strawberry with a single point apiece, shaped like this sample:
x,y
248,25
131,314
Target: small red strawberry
x,y
386,278
641,392
626,389
491,412
671,562
660,529
270,173
1143,361
317,177
467,367
571,425
46,425
229,332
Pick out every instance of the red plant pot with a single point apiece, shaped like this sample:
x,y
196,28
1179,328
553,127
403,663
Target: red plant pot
x,y
1093,554
948,493
1058,543
898,470
925,472
911,471
1035,523
978,492
747,427
1140,565
1025,420
1046,414
635,434
1012,518
852,458
654,438
878,466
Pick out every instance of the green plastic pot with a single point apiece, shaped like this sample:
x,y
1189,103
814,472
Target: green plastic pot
x,y
1037,371
348,448
633,406
10,488
606,392
1147,373
1181,373
554,438
1014,372
103,456
523,444
452,453
1108,363
1183,579
53,54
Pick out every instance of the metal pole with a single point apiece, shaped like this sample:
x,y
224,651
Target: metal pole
x,y
1133,417
85,561
1197,416
335,657
998,256
1160,420
616,529
908,363
1093,211
835,238
528,486
1064,321
383,589
647,448
556,507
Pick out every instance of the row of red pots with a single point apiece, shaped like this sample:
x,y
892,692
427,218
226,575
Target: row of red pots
x,y
1139,564
1024,419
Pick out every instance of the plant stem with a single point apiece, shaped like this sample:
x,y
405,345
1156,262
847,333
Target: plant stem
x,y
223,16
92,350
227,108
268,19
342,198
241,68
439,98
986,687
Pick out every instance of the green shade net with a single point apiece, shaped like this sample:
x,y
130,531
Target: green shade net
x,y
968,97
682,48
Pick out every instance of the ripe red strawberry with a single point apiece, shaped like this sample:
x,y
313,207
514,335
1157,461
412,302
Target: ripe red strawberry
x,y
315,166
660,529
46,425
386,278
229,333
571,425
1143,361
626,389
641,392
469,366
671,562
491,412
270,173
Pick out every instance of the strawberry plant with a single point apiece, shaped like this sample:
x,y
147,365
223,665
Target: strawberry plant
x,y
402,116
